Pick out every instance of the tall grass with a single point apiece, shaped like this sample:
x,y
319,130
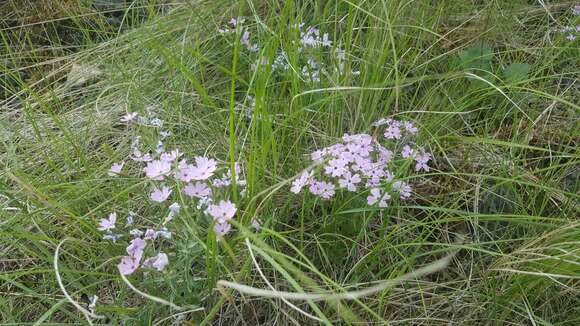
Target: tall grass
x,y
492,85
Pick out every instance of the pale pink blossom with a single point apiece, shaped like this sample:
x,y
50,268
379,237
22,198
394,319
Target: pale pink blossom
x,y
150,234
222,228
407,151
393,132
410,127
349,181
116,169
160,195
128,265
171,156
158,262
375,196
336,167
402,188
422,160
136,247
222,212
198,190
130,116
108,224
321,188
203,169
301,182
206,167
157,169
256,224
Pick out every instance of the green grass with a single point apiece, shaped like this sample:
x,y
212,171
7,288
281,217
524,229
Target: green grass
x,y
492,85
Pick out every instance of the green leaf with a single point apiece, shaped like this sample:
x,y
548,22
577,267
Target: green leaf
x,y
516,72
477,56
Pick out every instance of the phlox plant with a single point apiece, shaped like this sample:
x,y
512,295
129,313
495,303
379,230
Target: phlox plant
x,y
203,180
365,164
313,61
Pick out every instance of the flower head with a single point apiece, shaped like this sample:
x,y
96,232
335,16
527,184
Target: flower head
x,y
256,224
393,132
160,195
375,196
171,156
349,181
198,190
157,169
222,228
403,188
116,169
321,188
158,262
422,160
128,265
108,224
301,182
222,212
130,116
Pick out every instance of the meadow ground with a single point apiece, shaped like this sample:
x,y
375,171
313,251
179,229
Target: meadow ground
x,y
487,234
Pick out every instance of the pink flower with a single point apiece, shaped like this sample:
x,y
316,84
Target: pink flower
x,y
317,156
171,156
116,169
256,224
381,122
336,167
301,182
136,247
321,188
206,167
422,160
385,155
410,127
362,164
403,189
393,132
158,262
198,190
222,212
222,228
128,265
203,169
160,195
375,196
139,157
150,234
407,151
130,116
108,224
349,181
157,170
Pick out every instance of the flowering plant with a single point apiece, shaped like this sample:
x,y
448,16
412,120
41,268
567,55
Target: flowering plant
x,y
364,162
204,182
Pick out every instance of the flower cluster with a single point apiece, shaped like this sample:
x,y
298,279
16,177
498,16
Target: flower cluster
x,y
362,162
572,31
200,179
310,39
131,262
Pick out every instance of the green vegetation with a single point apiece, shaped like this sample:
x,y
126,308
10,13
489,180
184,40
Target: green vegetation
x,y
492,85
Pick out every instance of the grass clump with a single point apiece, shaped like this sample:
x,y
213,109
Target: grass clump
x,y
489,236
